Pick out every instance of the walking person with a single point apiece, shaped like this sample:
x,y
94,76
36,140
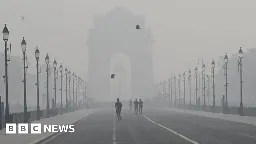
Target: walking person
x,y
140,106
118,106
136,103
130,104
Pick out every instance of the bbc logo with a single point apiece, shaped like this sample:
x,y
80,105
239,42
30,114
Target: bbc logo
x,y
23,128
37,128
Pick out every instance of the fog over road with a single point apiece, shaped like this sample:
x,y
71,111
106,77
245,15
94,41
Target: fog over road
x,y
156,126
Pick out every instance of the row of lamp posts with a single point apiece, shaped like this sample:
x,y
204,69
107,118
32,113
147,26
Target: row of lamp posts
x,y
78,80
172,84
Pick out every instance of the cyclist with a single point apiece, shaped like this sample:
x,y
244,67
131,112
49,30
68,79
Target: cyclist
x,y
118,106
140,106
130,104
136,106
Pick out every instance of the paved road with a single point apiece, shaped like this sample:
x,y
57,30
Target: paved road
x,y
156,127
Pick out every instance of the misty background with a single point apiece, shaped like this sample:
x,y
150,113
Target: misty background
x,y
183,31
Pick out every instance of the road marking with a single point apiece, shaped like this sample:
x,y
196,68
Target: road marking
x,y
174,132
114,128
247,135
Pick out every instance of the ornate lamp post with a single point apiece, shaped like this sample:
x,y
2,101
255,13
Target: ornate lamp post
x,y
189,81
184,81
208,89
5,38
179,87
73,90
55,78
203,84
69,77
175,91
226,77
37,52
169,89
240,69
61,79
213,84
66,73
76,91
196,73
47,61
23,47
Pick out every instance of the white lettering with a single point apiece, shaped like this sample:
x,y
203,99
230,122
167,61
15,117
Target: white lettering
x,y
23,128
71,128
35,128
63,128
54,128
10,128
47,128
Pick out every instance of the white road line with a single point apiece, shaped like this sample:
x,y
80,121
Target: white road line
x,y
174,132
114,128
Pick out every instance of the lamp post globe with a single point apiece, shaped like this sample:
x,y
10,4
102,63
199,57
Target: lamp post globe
x,y
23,45
213,64
226,58
47,59
37,53
66,71
55,64
61,68
196,69
5,33
203,65
240,53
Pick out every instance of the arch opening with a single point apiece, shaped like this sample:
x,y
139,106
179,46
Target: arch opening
x,y
120,86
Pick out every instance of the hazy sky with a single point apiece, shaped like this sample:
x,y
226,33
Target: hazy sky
x,y
184,30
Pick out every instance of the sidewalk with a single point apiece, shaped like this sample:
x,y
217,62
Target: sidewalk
x,y
67,118
229,117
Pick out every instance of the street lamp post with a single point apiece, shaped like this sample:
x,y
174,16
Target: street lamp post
x,y
169,89
240,69
184,79
74,91
226,77
66,73
213,84
196,70
179,87
47,61
203,84
23,47
61,78
208,89
175,91
189,81
5,38
69,78
37,52
55,78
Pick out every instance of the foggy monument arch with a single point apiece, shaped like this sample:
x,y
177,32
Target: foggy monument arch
x,y
116,33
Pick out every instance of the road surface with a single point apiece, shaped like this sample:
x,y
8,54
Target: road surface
x,y
156,127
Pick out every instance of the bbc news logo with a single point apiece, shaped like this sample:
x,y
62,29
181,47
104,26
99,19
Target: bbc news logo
x,y
37,128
